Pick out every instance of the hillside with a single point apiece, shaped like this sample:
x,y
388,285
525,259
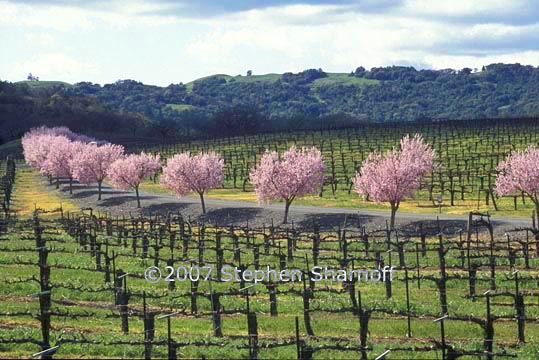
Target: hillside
x,y
28,104
43,84
222,104
380,94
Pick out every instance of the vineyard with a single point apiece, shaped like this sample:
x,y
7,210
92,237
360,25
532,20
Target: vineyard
x,y
73,285
468,153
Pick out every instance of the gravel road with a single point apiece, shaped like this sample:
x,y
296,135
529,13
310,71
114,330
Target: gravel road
x,y
232,212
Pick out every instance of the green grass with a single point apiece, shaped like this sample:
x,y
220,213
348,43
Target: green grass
x,y
254,78
31,193
342,79
189,85
180,107
42,84
385,331
239,78
331,79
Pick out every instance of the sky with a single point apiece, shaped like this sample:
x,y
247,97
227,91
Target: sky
x,y
166,41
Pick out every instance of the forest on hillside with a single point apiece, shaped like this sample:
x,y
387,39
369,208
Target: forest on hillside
x,y
380,94
312,99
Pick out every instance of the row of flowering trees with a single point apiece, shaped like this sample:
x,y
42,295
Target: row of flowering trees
x,y
60,153
383,177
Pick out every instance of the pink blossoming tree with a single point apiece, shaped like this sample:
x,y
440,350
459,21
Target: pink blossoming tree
x,y
38,142
185,173
36,148
91,164
128,172
295,174
58,163
398,173
519,173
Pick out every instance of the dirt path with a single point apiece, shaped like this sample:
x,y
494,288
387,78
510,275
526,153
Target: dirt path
x,y
228,212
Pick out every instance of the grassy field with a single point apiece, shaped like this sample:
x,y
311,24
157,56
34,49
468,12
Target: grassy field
x,y
43,84
331,79
80,289
32,194
342,79
180,107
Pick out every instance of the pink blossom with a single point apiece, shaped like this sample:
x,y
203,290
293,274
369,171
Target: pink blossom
x,y
396,174
59,162
36,149
128,172
37,141
91,164
185,173
519,173
296,174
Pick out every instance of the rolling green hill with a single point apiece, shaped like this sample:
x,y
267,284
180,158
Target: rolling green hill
x,y
381,94
43,84
314,98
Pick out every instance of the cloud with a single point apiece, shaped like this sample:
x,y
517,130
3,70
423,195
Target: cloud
x,y
67,16
57,17
514,12
480,40
39,39
210,8
52,66
138,39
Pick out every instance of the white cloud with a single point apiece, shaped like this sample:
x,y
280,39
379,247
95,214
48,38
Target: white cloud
x,y
426,33
51,17
39,39
52,66
459,62
119,15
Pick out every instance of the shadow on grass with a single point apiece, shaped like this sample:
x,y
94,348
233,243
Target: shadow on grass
x,y
120,200
164,208
433,227
75,187
104,194
231,216
331,221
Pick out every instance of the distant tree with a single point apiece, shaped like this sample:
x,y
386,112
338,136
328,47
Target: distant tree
x,y
185,173
295,174
92,163
466,71
128,172
519,173
360,72
238,119
249,72
165,127
398,173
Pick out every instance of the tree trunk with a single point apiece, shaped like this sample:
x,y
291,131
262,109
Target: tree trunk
x,y
202,202
57,182
138,197
286,208
70,185
394,208
99,190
